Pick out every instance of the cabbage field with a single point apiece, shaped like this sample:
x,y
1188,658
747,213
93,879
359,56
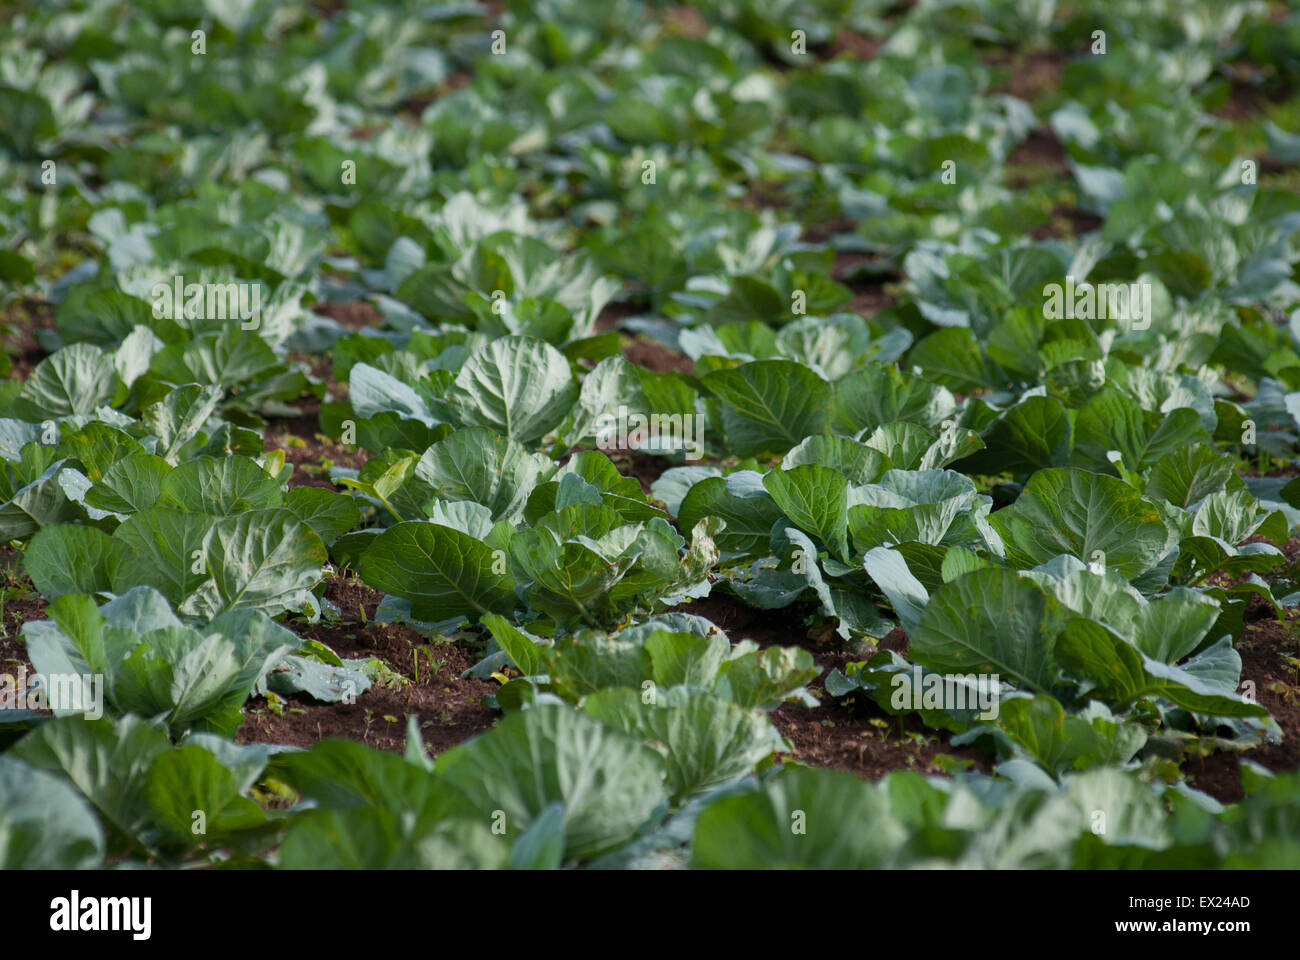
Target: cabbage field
x,y
613,434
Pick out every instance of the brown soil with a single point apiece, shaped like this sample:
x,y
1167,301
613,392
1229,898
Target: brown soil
x,y
1032,74
22,320
1039,151
637,349
307,448
655,356
416,104
1042,157
821,232
645,467
870,299
854,46
613,314
848,264
685,21
1290,549
353,314
352,596
854,734
450,709
1244,102
1275,470
300,438
1219,775
763,194
17,612
896,640
1277,688
767,628
851,733
1253,89
869,293
1257,609
21,604
321,367
1066,221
